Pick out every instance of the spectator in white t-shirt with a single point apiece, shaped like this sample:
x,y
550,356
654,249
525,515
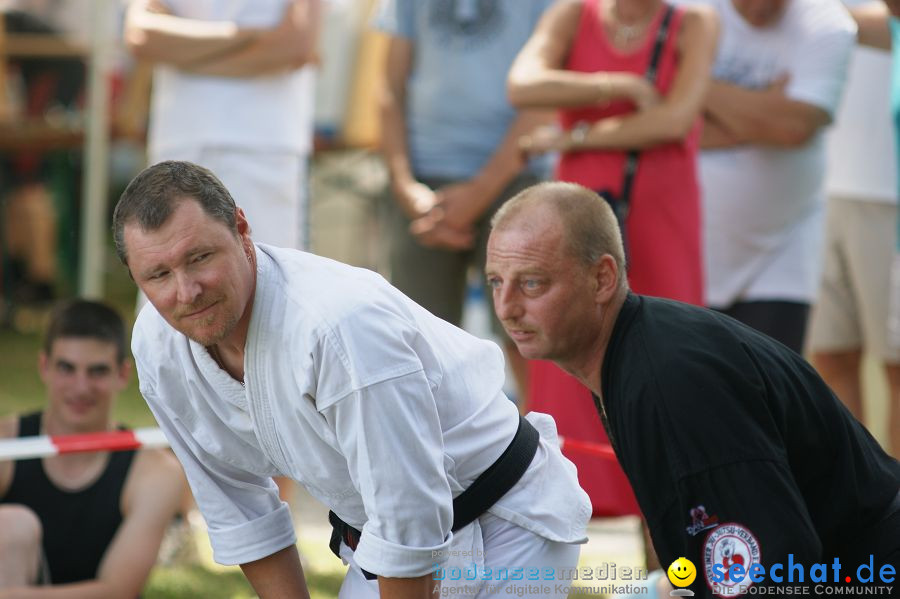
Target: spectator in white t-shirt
x,y
778,77
233,91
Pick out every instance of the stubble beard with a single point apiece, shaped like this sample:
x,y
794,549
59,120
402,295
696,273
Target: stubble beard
x,y
216,335
199,331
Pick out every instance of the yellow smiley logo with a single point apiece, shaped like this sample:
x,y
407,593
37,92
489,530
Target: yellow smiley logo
x,y
682,572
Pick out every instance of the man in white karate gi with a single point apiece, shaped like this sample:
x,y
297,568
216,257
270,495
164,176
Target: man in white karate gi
x,y
260,361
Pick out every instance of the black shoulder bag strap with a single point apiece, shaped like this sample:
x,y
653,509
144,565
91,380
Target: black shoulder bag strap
x,y
631,160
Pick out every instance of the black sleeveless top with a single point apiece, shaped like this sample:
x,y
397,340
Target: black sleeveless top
x,y
78,525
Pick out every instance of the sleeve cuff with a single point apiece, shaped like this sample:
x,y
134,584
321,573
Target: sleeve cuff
x,y
820,100
384,558
255,539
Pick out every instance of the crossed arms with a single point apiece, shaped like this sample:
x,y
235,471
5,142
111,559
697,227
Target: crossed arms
x,y
538,79
222,48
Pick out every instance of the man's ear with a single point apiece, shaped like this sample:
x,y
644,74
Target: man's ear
x,y
124,374
606,274
43,365
240,221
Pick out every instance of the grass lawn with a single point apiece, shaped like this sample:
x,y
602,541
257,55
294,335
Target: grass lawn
x,y
214,582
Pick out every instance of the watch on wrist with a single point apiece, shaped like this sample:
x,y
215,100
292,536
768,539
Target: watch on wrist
x,y
578,134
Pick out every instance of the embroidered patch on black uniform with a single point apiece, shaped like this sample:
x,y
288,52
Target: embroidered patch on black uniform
x,y
725,546
700,521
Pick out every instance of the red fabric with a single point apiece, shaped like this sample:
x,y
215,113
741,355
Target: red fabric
x,y
557,393
663,231
663,227
107,441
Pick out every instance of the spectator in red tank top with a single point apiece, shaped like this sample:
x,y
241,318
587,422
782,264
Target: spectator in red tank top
x,y
587,58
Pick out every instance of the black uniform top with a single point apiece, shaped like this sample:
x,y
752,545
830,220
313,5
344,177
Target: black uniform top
x,y
78,525
737,451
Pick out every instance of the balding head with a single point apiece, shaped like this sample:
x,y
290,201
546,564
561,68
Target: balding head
x,y
589,226
555,264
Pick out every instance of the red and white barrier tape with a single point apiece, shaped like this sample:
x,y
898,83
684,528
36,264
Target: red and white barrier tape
x,y
43,446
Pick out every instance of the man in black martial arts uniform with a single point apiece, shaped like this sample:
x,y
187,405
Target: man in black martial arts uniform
x,y
737,451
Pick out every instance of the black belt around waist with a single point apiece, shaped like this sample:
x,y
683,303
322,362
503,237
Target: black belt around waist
x,y
491,485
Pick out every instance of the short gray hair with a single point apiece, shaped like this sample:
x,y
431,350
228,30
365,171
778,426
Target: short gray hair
x,y
152,196
589,225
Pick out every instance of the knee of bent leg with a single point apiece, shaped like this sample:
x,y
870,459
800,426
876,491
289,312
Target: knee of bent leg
x,y
20,528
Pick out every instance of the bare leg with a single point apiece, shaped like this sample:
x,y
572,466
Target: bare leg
x,y
664,588
893,376
20,546
650,557
841,372
31,231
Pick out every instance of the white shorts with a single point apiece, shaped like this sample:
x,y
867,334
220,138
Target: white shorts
x,y
485,548
851,311
270,186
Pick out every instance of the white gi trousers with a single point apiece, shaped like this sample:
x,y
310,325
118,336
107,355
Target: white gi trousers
x,y
495,545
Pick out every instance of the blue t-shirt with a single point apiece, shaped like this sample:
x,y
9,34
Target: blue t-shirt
x,y
457,112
